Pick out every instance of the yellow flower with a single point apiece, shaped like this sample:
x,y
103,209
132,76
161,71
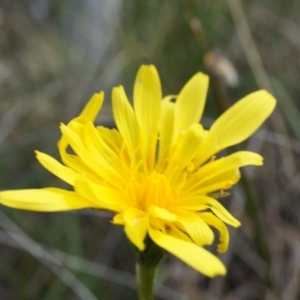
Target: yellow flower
x,y
157,172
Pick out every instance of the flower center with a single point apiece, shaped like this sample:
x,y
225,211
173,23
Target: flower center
x,y
154,190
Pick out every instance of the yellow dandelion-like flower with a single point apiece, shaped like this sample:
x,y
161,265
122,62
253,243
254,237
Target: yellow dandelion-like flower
x,y
157,171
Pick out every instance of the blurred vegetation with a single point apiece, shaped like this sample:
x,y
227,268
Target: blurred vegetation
x,y
55,54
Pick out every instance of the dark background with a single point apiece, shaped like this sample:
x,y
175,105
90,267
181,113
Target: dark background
x,y
55,54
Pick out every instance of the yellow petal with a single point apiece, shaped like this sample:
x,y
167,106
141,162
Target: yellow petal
x,y
195,227
118,219
125,119
90,112
190,101
212,220
48,199
186,148
230,162
74,139
199,203
95,154
238,122
188,203
136,224
223,182
101,196
175,231
93,107
106,158
74,162
114,140
199,231
147,101
59,170
161,213
185,215
166,128
220,211
219,170
193,255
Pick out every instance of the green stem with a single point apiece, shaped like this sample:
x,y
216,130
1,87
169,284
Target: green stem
x,y
145,280
147,262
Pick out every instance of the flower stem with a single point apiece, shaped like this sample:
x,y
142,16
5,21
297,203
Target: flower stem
x,y
145,280
147,262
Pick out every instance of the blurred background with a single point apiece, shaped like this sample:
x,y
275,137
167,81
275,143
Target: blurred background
x,y
55,54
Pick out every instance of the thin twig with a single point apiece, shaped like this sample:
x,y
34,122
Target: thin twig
x,y
45,257
57,260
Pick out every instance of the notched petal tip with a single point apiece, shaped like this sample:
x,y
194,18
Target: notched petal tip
x,y
93,106
119,98
147,68
147,96
191,100
117,88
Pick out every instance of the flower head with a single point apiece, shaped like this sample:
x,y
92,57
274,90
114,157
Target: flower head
x,y
157,171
